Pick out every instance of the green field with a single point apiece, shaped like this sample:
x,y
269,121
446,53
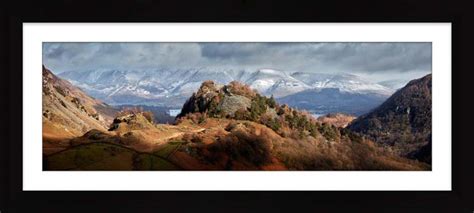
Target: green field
x,y
106,156
167,149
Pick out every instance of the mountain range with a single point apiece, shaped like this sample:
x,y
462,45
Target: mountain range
x,y
171,88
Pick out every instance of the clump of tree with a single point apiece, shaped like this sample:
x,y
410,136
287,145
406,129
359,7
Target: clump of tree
x,y
273,123
243,145
300,124
329,131
271,102
258,107
213,108
242,114
352,136
239,147
197,117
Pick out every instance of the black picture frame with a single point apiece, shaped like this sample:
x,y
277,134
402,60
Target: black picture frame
x,y
13,199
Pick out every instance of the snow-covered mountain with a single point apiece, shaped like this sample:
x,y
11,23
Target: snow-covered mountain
x,y
171,87
274,82
344,82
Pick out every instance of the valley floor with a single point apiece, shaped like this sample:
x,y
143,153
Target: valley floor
x,y
215,144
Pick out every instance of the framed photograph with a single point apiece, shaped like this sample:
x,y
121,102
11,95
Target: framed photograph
x,y
293,100
160,113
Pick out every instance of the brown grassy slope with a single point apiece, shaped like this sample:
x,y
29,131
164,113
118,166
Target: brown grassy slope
x,y
337,119
224,144
133,143
137,132
305,143
68,112
246,145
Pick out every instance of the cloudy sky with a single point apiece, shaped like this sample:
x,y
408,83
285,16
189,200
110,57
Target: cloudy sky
x,y
376,61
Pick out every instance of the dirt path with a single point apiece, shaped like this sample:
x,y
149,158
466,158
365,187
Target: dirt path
x,y
178,134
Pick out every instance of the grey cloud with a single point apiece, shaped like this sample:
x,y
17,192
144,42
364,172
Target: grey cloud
x,y
361,57
231,50
76,56
374,57
312,57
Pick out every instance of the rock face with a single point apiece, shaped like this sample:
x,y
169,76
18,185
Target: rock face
x,y
69,112
224,100
230,104
403,121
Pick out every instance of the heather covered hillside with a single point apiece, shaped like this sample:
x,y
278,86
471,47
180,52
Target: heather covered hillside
x,y
287,137
403,122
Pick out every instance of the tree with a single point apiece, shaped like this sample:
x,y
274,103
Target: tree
x,y
257,107
271,102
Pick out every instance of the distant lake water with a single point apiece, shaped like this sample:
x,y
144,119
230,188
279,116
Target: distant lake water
x,y
316,115
174,112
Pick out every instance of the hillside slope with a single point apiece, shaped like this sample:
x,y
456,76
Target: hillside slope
x,y
254,128
68,112
403,121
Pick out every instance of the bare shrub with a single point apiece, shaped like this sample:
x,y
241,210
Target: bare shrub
x,y
197,117
242,114
149,116
240,89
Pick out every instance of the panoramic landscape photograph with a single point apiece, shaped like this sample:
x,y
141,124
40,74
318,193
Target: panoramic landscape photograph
x,y
242,106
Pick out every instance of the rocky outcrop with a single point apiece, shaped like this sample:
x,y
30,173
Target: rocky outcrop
x,y
131,121
219,100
